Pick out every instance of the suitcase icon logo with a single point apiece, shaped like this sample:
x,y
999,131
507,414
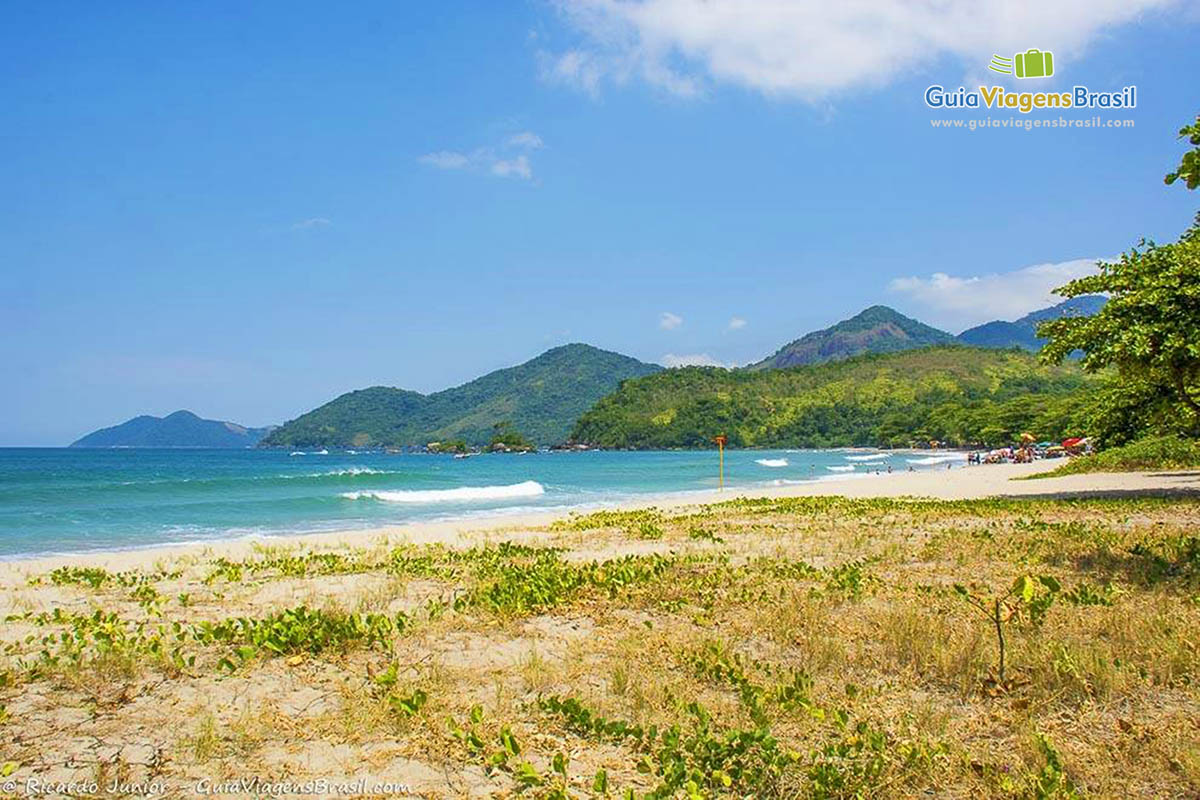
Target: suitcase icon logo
x,y
1033,63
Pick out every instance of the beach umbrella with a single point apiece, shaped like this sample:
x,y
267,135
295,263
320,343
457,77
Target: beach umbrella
x,y
1028,438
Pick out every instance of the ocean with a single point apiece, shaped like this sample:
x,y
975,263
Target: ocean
x,y
59,500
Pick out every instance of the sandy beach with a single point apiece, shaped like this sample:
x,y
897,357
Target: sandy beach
x,y
993,480
464,659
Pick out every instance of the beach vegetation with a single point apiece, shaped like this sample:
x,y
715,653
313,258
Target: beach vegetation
x,y
1147,332
820,650
1188,169
1150,453
1028,595
297,630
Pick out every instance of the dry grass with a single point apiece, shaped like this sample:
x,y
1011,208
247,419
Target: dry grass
x,y
832,624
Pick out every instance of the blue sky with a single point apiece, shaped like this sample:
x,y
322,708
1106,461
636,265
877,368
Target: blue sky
x,y
247,209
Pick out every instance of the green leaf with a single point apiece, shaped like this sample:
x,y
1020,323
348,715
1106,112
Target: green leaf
x,y
1050,582
1023,588
600,782
527,775
509,742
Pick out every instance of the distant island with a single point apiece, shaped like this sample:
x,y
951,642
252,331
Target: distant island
x,y
181,429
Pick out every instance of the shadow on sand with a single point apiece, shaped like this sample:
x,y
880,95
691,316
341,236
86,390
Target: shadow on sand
x,y
1174,492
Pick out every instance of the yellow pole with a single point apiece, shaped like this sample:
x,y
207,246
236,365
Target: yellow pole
x,y
721,456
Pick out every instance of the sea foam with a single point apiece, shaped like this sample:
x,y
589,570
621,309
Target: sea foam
x,y
772,462
846,468
463,494
872,457
933,460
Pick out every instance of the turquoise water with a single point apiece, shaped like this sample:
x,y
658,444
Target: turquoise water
x,y
61,500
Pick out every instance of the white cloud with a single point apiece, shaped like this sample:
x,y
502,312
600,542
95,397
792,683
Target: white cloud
x,y
312,222
691,360
668,321
526,140
811,49
736,323
510,160
445,159
954,301
513,168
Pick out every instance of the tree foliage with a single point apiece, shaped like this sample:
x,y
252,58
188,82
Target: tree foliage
x,y
1149,331
505,435
1189,166
953,394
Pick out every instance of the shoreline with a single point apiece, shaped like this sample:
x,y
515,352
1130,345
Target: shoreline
x,y
965,483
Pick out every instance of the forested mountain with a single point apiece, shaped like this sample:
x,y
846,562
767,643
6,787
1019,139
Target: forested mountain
x,y
1023,332
954,394
541,399
878,329
181,429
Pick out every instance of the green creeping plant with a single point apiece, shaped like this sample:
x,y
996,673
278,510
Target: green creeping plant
x,y
648,530
608,519
503,757
696,532
697,760
1052,781
849,579
1084,594
97,577
1177,557
524,588
299,630
86,637
584,722
408,705
290,566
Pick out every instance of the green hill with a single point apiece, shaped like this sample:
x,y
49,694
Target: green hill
x,y
541,398
181,429
1023,332
951,393
878,329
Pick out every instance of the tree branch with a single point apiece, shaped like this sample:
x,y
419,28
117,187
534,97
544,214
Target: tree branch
x,y
1181,390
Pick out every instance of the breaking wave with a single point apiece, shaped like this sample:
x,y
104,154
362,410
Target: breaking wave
x,y
339,472
772,462
463,494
